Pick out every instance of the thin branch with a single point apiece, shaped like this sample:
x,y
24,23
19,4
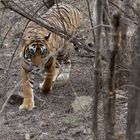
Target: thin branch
x,y
21,37
25,6
57,31
114,4
11,27
45,3
49,3
7,72
10,94
134,11
1,24
90,17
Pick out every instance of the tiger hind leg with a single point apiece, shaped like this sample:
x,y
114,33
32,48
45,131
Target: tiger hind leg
x,y
64,75
56,74
64,67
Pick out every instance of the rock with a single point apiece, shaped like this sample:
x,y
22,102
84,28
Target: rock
x,y
80,102
27,136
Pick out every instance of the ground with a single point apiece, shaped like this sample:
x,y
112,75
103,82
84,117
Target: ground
x,y
63,114
56,115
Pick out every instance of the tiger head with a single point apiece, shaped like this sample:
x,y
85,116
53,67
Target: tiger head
x,y
36,48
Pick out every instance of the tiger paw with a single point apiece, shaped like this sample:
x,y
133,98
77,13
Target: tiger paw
x,y
28,104
63,77
44,89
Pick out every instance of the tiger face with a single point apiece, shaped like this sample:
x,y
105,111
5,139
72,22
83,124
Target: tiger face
x,y
36,48
45,49
36,51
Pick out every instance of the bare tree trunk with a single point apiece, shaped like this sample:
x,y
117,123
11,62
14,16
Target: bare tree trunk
x,y
106,20
109,80
99,46
133,119
123,58
110,96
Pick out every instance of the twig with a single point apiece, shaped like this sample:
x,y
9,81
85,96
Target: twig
x,y
86,56
10,94
7,72
114,4
19,41
49,3
1,24
90,17
45,3
8,33
21,37
134,11
46,25
29,8
42,101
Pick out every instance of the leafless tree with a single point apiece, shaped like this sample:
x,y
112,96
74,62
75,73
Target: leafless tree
x,y
99,46
116,52
110,95
103,18
133,119
123,58
109,100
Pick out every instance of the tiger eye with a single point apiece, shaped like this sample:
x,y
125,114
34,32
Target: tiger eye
x,y
32,49
43,49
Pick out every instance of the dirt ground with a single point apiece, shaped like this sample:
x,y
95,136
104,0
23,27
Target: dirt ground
x,y
54,117
58,115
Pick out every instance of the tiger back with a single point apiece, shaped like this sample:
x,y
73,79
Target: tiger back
x,y
43,48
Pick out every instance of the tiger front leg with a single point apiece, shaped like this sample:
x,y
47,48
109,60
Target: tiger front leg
x,y
46,85
28,101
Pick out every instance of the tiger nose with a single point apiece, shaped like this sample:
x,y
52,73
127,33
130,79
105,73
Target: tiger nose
x,y
37,68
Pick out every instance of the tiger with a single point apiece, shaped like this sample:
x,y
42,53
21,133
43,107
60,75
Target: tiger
x,y
44,49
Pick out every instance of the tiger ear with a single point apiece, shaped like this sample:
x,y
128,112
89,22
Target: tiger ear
x,y
47,36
